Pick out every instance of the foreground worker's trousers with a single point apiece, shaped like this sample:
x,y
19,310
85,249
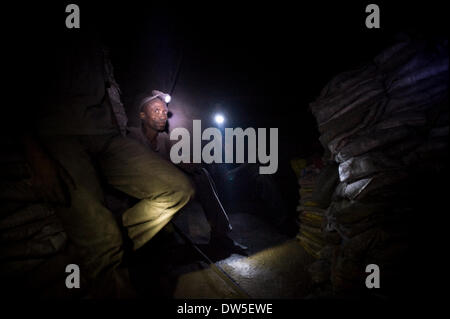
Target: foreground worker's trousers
x,y
126,165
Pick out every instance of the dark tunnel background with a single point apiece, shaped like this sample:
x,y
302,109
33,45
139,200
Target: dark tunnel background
x,y
260,65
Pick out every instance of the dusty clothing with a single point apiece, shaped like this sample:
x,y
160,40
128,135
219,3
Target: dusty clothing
x,y
130,168
163,141
204,184
81,123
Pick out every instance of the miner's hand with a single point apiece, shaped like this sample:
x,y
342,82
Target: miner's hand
x,y
49,179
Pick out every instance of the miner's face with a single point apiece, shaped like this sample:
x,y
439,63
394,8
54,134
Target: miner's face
x,y
154,114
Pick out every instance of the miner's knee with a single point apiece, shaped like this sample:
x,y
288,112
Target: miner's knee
x,y
185,188
178,189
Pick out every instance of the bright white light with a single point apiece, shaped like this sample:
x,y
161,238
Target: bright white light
x,y
167,98
219,119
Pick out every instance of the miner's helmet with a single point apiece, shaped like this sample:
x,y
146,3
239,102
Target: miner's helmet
x,y
163,96
156,94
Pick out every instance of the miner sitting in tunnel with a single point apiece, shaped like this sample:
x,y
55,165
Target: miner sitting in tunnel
x,y
80,125
153,112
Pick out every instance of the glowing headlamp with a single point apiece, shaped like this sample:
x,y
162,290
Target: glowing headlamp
x,y
163,96
219,118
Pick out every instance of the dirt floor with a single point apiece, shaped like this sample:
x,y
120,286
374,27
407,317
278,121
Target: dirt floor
x,y
274,268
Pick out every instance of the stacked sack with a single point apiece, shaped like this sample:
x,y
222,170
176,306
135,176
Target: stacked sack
x,y
30,231
311,216
29,236
384,124
316,185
